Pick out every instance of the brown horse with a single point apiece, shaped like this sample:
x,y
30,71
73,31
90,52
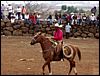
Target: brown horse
x,y
49,55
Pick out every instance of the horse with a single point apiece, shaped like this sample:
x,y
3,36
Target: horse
x,y
48,51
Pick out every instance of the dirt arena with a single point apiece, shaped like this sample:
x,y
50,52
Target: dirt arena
x,y
15,49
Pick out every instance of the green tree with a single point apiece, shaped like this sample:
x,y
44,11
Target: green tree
x,y
63,7
72,9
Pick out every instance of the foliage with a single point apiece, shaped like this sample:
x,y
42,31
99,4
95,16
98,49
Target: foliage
x,y
81,11
63,7
72,9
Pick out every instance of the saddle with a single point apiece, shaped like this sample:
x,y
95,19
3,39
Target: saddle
x,y
58,54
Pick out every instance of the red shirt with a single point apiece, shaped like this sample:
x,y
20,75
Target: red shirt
x,y
33,18
58,34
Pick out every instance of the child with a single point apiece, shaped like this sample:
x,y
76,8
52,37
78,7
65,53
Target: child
x,y
67,30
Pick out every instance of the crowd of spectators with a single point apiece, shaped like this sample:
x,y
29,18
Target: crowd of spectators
x,y
34,18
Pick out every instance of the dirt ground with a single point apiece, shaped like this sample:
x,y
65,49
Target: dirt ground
x,y
15,49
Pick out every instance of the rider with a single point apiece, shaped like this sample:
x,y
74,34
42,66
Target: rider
x,y
58,37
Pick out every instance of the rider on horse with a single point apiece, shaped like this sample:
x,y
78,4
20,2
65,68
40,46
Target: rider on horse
x,y
58,37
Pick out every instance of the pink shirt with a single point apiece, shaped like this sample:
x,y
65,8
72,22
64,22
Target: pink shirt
x,y
58,35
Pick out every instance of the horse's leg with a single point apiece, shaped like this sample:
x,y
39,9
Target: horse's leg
x,y
70,68
46,63
50,73
72,65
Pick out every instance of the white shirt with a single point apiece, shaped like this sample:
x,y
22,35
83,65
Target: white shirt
x,y
84,17
38,16
92,18
72,16
12,20
67,28
16,17
2,8
27,16
18,9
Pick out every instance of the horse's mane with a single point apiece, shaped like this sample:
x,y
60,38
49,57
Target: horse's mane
x,y
44,38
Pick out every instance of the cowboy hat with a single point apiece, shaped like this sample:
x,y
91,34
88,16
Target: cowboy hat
x,y
57,25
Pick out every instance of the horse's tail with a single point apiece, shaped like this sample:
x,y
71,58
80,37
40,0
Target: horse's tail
x,y
79,53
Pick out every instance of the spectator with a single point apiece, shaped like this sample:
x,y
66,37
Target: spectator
x,y
79,19
68,18
33,18
2,11
72,14
19,12
38,18
67,29
56,16
84,19
23,11
10,11
64,16
75,19
59,19
27,20
50,19
12,18
92,19
94,10
97,23
88,20
72,20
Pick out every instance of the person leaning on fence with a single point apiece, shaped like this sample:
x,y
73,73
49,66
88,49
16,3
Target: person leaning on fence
x,y
12,18
27,20
38,18
67,30
92,19
84,17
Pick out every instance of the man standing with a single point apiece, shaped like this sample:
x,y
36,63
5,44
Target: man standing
x,y
2,11
38,18
10,10
67,29
23,12
19,12
94,10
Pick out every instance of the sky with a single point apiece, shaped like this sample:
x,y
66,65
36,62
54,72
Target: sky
x,y
58,3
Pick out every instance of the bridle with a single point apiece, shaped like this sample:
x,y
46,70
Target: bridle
x,y
34,39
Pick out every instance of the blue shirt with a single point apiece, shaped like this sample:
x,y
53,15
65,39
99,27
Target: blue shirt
x,y
67,28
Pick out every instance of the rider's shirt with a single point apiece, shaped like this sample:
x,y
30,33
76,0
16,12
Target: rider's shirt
x,y
58,35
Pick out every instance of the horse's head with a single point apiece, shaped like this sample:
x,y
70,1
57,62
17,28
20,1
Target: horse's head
x,y
35,38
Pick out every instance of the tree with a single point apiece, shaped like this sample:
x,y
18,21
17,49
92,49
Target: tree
x,y
81,11
43,8
72,9
63,7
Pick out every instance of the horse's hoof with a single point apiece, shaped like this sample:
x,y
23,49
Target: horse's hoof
x,y
43,73
50,73
75,73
